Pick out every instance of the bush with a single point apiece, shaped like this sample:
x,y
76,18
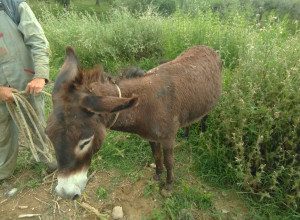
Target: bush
x,y
255,131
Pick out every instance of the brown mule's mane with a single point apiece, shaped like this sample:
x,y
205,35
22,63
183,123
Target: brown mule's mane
x,y
97,74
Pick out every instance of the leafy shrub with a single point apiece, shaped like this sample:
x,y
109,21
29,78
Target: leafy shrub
x,y
255,129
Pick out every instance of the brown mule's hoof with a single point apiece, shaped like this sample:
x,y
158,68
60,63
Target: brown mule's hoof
x,y
168,187
157,177
165,193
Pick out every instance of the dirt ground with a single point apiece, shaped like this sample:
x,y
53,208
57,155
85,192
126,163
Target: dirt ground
x,y
35,197
42,201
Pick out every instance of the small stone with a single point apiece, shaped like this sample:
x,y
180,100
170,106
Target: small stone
x,y
117,212
153,165
224,211
11,192
224,194
23,206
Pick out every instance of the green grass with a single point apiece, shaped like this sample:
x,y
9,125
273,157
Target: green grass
x,y
151,189
124,152
252,140
101,193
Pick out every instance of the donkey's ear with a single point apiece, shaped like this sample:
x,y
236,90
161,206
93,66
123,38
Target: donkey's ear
x,y
69,68
71,63
107,104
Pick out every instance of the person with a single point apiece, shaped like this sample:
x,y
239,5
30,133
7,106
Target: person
x,y
24,66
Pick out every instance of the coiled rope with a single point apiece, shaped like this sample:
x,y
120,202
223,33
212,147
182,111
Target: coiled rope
x,y
20,110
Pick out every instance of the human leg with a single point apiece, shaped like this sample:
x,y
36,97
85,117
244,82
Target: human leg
x,y
8,143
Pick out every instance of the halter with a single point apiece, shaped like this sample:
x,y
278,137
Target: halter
x,y
117,114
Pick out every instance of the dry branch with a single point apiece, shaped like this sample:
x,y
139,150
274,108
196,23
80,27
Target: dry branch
x,y
94,210
28,215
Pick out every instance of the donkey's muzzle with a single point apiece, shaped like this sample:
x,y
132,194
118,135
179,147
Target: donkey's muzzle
x,y
70,192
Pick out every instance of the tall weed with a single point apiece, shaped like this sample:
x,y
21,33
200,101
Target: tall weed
x,y
184,30
119,38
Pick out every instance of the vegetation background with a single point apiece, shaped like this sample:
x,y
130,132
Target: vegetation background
x,y
252,144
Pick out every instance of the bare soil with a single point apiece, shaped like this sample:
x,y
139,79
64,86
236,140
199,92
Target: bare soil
x,y
35,196
42,200
124,192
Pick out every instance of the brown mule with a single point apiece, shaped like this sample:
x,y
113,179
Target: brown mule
x,y
87,103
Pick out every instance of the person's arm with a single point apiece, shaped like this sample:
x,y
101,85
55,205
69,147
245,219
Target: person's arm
x,y
34,37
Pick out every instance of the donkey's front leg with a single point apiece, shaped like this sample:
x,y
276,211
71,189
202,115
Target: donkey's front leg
x,y
157,154
168,148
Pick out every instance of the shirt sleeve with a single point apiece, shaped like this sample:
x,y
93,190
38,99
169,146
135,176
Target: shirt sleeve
x,y
35,38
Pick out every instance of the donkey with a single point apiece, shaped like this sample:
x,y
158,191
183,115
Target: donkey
x,y
87,103
133,72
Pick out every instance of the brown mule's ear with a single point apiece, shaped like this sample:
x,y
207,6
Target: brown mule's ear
x,y
69,68
71,63
107,104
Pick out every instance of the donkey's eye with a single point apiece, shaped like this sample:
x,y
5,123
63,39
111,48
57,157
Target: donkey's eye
x,y
83,145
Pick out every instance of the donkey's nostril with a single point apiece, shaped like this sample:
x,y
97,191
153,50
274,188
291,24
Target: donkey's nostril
x,y
75,197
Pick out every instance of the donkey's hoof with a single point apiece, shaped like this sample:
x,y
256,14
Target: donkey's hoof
x,y
168,187
157,177
165,193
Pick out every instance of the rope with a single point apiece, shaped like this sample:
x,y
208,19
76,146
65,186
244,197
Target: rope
x,y
117,114
21,111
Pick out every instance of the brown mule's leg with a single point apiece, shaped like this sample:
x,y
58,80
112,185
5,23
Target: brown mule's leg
x,y
157,154
169,162
203,127
203,123
186,131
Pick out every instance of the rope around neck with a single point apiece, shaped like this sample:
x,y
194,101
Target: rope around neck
x,y
21,111
117,114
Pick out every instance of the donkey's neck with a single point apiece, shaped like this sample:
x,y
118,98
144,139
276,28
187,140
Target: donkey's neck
x,y
127,120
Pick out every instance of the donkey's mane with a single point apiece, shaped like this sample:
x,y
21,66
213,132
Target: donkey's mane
x,y
97,74
93,75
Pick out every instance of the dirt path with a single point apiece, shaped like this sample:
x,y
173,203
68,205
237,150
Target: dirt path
x,y
105,190
42,200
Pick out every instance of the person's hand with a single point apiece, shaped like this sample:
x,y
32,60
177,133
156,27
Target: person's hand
x,y
35,86
6,94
